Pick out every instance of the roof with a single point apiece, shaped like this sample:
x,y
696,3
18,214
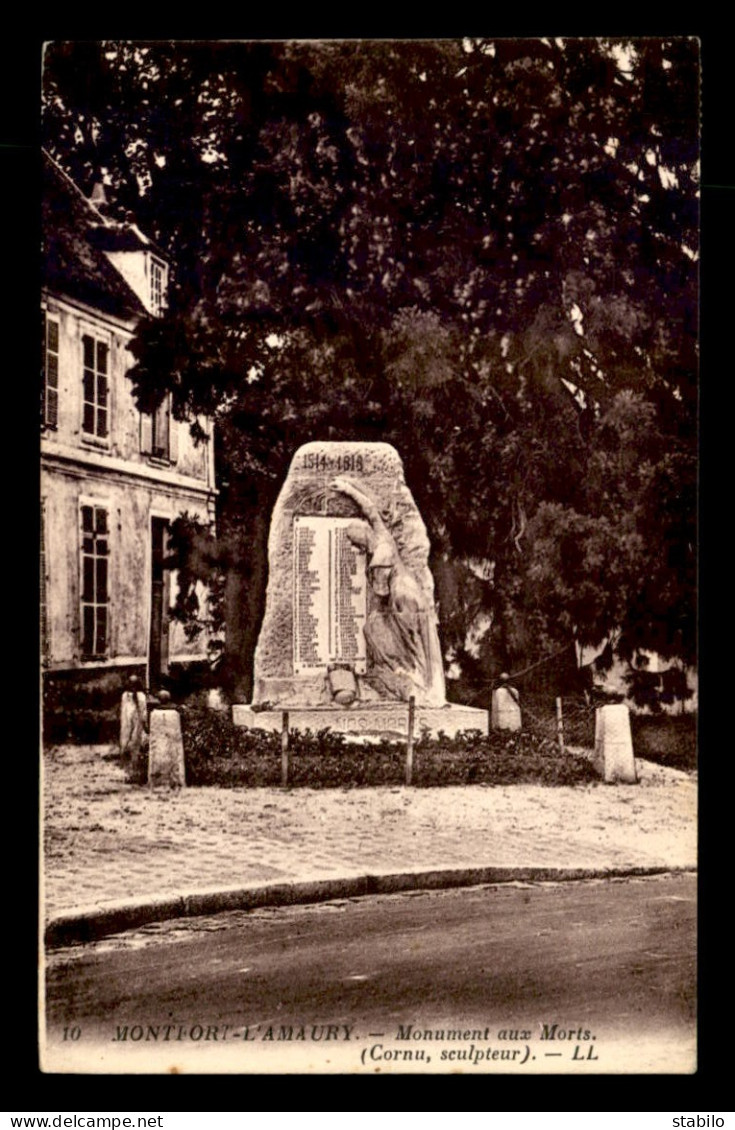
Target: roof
x,y
75,236
111,236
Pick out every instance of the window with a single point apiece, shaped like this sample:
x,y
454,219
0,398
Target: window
x,y
96,387
157,433
160,440
157,287
49,370
95,600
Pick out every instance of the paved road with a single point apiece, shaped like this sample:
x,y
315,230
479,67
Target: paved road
x,y
611,963
107,840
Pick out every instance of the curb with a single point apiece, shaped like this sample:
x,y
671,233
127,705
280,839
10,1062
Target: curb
x,y
87,924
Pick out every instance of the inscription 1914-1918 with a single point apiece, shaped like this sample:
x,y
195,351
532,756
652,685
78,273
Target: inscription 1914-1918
x,y
320,461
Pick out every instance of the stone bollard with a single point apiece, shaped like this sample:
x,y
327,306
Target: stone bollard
x,y
166,746
505,710
614,758
133,724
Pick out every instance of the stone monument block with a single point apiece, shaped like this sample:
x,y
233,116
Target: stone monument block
x,y
350,622
614,758
505,710
166,750
319,601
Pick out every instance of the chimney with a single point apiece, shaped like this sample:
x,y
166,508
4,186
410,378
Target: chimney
x,y
99,197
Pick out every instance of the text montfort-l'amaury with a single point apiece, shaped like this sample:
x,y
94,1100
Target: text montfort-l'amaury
x,y
204,1033
165,1033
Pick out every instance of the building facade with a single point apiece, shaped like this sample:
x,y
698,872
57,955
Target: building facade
x,y
113,479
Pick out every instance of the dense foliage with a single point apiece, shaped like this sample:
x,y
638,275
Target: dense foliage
x,y
665,739
220,753
482,251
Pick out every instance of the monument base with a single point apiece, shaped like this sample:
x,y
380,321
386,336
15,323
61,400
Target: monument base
x,y
376,720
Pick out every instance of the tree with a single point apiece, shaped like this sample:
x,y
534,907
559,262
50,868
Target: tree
x,y
482,251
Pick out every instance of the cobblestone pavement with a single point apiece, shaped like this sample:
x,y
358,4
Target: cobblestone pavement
x,y
107,840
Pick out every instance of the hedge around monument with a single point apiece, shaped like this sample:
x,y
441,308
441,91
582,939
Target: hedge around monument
x,y
668,740
220,753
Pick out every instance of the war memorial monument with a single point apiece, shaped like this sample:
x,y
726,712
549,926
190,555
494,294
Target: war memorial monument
x,y
349,634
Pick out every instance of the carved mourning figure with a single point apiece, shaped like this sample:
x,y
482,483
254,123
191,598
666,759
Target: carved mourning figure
x,y
401,629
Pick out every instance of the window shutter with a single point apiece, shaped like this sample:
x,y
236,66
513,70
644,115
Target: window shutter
x,y
52,405
43,366
146,433
49,371
173,440
162,429
45,640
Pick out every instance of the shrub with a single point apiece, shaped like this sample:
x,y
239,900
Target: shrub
x,y
669,740
220,753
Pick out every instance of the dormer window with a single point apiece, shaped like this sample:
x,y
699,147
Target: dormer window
x,y
141,264
158,287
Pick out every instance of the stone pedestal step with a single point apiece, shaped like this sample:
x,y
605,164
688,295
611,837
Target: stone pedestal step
x,y
388,720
